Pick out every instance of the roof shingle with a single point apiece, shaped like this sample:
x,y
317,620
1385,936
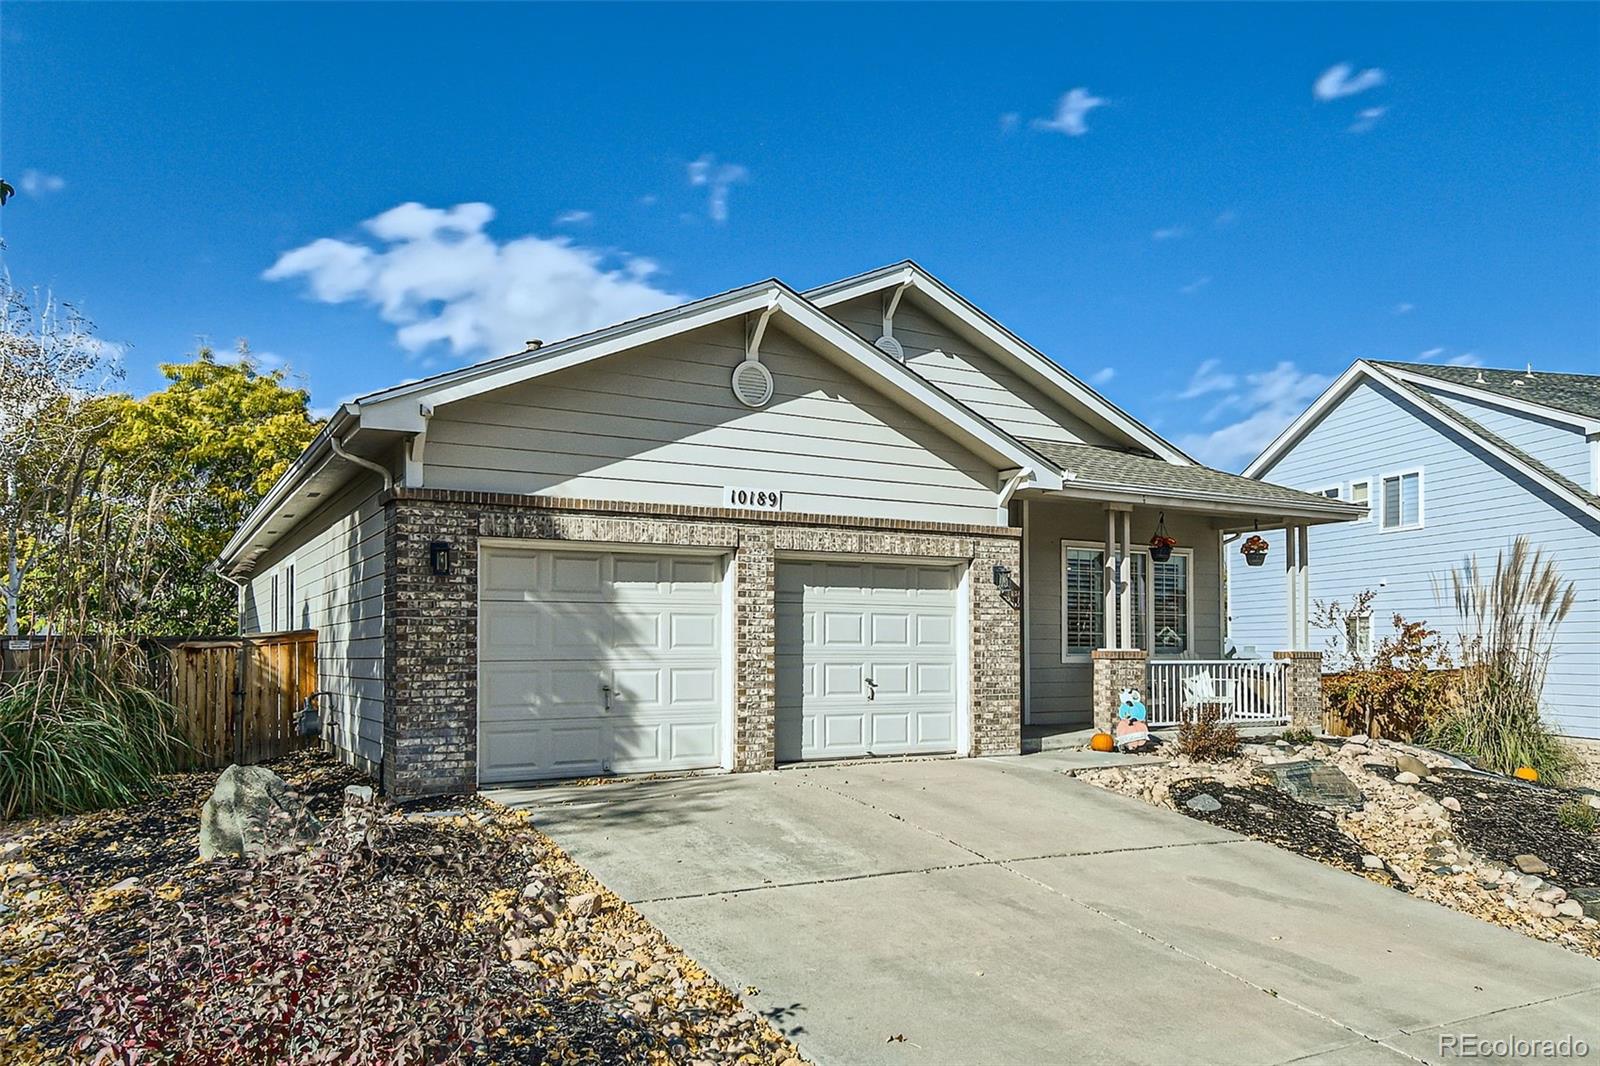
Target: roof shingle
x,y
1577,394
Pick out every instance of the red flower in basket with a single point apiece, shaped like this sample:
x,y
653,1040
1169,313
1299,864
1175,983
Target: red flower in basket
x,y
1254,550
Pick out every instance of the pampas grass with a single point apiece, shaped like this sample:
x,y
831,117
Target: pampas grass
x,y
1508,628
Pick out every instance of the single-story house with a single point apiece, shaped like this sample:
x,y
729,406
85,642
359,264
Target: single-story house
x,y
762,527
1453,463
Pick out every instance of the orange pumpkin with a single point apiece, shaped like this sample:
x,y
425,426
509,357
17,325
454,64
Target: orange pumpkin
x,y
1527,773
1102,742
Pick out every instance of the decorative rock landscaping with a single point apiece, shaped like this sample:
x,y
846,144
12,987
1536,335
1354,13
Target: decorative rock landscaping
x,y
1399,815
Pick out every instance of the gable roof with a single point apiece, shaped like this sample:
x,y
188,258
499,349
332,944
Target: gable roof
x,y
1574,394
1107,471
1433,408
1001,343
405,409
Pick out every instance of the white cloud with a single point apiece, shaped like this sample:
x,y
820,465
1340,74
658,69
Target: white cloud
x,y
1366,119
648,199
437,277
1430,354
1009,122
1169,233
1207,377
1268,401
1196,285
574,218
1403,308
1103,375
718,177
37,183
1071,110
1342,80
1225,219
1464,359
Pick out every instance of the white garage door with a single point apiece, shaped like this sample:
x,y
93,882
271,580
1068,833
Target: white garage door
x,y
866,659
598,662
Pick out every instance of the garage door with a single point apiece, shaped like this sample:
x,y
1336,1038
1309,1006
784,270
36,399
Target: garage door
x,y
598,662
866,659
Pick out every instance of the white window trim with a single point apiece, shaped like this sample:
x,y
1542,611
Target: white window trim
x,y
1383,503
1137,551
1362,621
1367,481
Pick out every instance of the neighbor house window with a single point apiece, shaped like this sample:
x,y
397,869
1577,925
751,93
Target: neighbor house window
x,y
1163,611
288,597
1358,634
272,618
1332,494
1361,493
1402,501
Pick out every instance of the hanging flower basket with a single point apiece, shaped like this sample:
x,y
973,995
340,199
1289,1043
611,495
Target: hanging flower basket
x,y
1161,545
1254,550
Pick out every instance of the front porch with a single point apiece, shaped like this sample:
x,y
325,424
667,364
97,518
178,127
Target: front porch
x,y
1104,608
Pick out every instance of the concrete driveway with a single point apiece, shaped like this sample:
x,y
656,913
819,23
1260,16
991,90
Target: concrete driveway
x,y
996,910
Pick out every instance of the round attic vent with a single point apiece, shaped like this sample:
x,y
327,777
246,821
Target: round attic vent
x,y
891,347
752,384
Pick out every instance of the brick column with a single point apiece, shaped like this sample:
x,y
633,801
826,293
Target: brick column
x,y
430,683
755,566
1114,670
996,652
1303,688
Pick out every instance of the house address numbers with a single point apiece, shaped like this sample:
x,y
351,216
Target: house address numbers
x,y
753,499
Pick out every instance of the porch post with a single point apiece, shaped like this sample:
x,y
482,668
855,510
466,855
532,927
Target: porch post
x,y
1125,592
1291,586
1303,638
1110,580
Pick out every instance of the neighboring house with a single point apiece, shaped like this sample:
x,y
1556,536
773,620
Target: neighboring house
x,y
761,527
1453,462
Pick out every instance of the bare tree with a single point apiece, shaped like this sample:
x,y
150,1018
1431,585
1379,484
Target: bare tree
x,y
52,372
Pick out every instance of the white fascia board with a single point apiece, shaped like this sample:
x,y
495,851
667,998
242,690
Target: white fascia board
x,y
930,402
1216,502
1307,418
396,408
1509,458
1494,399
310,462
1007,344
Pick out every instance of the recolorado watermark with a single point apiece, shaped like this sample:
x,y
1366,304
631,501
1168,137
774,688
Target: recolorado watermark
x,y
1478,1046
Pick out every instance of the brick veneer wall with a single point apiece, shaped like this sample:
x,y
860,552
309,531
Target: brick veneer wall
x,y
1114,670
1303,688
430,682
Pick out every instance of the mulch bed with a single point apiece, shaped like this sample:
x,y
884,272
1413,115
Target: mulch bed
x,y
1516,818
1266,814
433,929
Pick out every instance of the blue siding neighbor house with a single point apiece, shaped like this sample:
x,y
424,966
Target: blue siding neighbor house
x,y
1451,462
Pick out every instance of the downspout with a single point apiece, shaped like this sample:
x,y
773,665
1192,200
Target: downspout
x,y
377,468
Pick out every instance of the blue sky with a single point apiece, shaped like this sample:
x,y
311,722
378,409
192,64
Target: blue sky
x,y
1198,208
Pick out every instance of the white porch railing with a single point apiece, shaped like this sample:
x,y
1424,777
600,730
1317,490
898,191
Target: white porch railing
x,y
1242,690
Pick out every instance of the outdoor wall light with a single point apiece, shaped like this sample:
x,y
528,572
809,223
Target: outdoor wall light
x,y
1010,591
439,557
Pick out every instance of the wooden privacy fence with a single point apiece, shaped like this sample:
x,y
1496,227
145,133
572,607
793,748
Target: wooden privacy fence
x,y
239,698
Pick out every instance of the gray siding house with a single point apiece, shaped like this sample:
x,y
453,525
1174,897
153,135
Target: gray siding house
x,y
1451,462
763,527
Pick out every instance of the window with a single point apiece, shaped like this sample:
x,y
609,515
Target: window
x,y
1083,612
1358,634
288,597
272,619
1163,609
1361,493
1402,501
1332,494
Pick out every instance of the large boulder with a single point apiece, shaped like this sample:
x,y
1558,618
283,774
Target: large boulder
x,y
253,812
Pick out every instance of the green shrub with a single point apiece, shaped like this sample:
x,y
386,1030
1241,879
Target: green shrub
x,y
1205,738
1298,736
1578,816
80,733
1508,627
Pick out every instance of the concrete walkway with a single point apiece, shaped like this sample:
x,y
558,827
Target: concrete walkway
x,y
996,910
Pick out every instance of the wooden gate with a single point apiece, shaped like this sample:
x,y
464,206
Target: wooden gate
x,y
239,700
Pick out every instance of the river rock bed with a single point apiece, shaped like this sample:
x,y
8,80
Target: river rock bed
x,y
1423,826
